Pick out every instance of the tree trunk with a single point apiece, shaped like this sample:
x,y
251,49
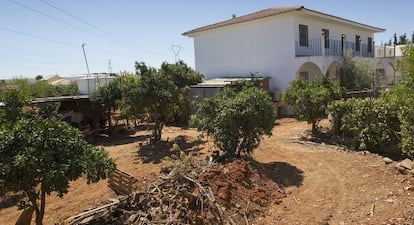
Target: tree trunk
x,y
157,131
314,128
40,213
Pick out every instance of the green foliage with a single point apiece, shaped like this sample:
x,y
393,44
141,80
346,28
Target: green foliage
x,y
141,68
236,120
403,97
14,102
377,124
107,98
42,89
309,99
356,73
153,97
182,75
373,124
39,156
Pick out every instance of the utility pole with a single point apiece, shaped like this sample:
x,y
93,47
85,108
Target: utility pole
x,y
87,67
176,50
109,67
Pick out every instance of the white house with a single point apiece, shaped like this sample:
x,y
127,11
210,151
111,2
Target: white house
x,y
280,43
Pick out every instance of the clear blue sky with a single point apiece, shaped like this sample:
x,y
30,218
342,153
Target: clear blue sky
x,y
125,31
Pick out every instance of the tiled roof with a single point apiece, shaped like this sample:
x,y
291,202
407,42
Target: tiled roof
x,y
266,13
245,18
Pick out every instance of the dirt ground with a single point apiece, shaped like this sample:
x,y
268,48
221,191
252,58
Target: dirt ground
x,y
323,184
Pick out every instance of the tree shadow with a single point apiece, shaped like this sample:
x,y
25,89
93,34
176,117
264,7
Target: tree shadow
x,y
119,139
282,173
10,199
156,152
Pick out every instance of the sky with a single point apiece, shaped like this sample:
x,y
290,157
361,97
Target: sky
x,y
45,37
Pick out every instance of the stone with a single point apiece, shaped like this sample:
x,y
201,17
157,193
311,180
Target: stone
x,y
387,160
401,169
407,163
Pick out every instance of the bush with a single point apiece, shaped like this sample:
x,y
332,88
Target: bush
x,y
373,124
236,120
309,99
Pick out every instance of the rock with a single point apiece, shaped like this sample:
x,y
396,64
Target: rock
x,y
408,188
387,160
401,169
407,163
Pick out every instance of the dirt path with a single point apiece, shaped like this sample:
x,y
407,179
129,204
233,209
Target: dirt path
x,y
338,187
325,185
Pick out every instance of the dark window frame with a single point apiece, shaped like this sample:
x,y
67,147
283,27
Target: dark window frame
x,y
357,43
326,37
369,40
303,35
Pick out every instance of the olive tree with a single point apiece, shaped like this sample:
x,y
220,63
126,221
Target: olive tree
x,y
39,156
236,120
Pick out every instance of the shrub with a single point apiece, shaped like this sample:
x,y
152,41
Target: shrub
x,y
236,120
309,99
373,124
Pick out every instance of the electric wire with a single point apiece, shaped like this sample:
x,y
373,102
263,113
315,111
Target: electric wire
x,y
85,22
37,36
60,21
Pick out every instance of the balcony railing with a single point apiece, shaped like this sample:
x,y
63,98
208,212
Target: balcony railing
x,y
333,48
311,48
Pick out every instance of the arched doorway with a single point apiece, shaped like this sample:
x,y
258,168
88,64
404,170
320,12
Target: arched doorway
x,y
309,71
389,74
333,70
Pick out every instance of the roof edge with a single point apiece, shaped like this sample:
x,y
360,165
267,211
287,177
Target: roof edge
x,y
242,19
272,12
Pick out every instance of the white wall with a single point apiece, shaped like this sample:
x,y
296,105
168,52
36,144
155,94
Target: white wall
x,y
93,82
262,46
266,46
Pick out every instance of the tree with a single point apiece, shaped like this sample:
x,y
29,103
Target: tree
x,y
141,68
236,120
403,39
403,96
108,98
41,89
154,97
39,77
39,156
183,77
356,73
309,99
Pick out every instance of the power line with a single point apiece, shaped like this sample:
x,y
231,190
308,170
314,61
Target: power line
x,y
58,20
85,22
38,37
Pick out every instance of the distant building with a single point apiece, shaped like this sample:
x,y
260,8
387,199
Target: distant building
x,y
386,60
89,84
57,80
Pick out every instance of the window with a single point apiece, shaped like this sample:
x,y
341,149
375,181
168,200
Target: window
x,y
325,33
370,44
357,43
304,75
303,35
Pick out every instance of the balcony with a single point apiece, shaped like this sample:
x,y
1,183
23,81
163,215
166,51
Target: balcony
x,y
332,48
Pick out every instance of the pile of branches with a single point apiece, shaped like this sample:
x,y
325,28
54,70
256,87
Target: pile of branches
x,y
177,197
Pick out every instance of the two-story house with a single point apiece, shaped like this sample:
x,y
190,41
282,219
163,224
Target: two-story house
x,y
280,43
